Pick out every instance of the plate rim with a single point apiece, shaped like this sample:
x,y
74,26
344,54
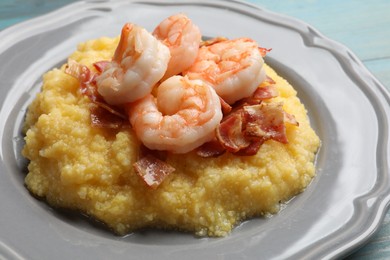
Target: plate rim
x,y
344,55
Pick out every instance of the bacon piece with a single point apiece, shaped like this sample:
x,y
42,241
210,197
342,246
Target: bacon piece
x,y
289,118
244,131
86,79
117,111
264,92
251,122
251,149
81,72
210,149
230,134
266,121
102,114
152,170
103,118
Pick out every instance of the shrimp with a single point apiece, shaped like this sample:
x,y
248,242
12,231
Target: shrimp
x,y
183,115
233,67
183,39
139,62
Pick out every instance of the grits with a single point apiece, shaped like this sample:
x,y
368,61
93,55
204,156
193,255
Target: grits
x,y
75,166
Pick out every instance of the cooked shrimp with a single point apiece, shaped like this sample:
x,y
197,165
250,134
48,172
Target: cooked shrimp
x,y
183,39
183,115
139,62
233,67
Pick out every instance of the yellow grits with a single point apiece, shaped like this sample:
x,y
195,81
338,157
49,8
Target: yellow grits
x,y
75,166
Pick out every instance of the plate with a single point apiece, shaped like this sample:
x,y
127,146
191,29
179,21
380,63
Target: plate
x,y
348,108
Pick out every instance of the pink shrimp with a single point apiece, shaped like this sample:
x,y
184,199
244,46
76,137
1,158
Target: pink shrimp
x,y
183,115
139,62
233,67
183,39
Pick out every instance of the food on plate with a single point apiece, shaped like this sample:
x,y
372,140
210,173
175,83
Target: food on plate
x,y
180,118
182,38
122,134
233,67
137,65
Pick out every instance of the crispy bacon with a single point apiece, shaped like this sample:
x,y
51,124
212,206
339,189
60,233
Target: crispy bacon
x,y
265,121
102,114
86,79
104,118
80,72
266,90
251,149
152,170
249,123
290,119
247,128
212,148
230,132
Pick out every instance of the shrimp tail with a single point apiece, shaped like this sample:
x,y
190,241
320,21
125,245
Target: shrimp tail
x,y
121,49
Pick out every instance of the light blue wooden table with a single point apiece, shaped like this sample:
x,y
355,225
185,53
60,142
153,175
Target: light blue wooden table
x,y
363,26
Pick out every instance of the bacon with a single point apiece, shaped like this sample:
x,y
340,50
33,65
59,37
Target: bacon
x,y
210,149
266,121
86,79
230,132
102,114
265,92
115,111
80,72
104,118
251,149
244,131
251,122
153,171
289,118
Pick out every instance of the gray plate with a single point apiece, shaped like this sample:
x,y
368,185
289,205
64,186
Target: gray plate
x,y
348,108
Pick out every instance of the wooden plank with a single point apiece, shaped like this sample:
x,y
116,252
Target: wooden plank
x,y
379,245
381,70
12,12
363,26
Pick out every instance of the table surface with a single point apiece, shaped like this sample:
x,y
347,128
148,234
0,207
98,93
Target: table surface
x,y
362,26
